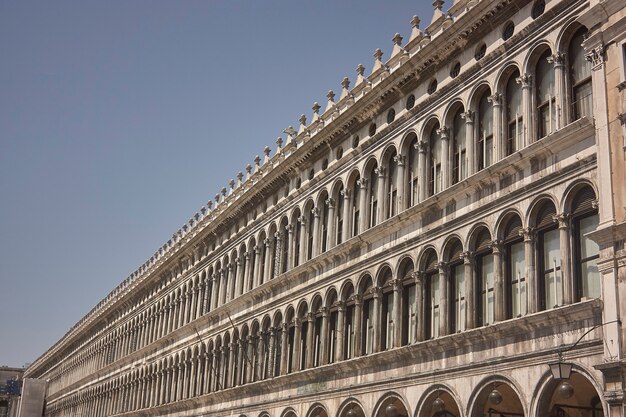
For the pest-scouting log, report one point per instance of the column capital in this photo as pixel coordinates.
(496, 246)
(596, 56)
(375, 291)
(345, 193)
(444, 132)
(325, 311)
(528, 233)
(443, 267)
(495, 99)
(315, 212)
(330, 202)
(421, 146)
(468, 257)
(362, 182)
(400, 160)
(557, 59)
(380, 171)
(357, 298)
(468, 116)
(562, 219)
(525, 80)
(341, 305)
(302, 220)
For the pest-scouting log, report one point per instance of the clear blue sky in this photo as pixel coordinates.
(120, 119)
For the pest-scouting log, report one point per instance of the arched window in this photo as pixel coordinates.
(348, 338)
(514, 268)
(391, 190)
(324, 221)
(283, 243)
(513, 114)
(459, 164)
(413, 173)
(586, 252)
(339, 215)
(456, 289)
(333, 328)
(388, 325)
(409, 310)
(549, 257)
(485, 132)
(546, 114)
(432, 296)
(373, 196)
(580, 77)
(317, 334)
(484, 279)
(354, 202)
(434, 159)
(368, 321)
(297, 236)
(310, 213)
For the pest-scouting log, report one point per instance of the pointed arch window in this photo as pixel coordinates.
(580, 77)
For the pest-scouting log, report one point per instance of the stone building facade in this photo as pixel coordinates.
(425, 246)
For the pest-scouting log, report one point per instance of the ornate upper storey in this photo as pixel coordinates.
(456, 119)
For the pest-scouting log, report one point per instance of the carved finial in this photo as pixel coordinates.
(415, 22)
(291, 134)
(331, 100)
(217, 199)
(303, 128)
(397, 45)
(203, 210)
(248, 171)
(316, 112)
(224, 191)
(279, 144)
(266, 151)
(209, 204)
(345, 88)
(240, 178)
(360, 77)
(438, 5)
(257, 163)
(231, 183)
(378, 63)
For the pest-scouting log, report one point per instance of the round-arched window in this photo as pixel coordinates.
(410, 102)
(391, 116)
(480, 51)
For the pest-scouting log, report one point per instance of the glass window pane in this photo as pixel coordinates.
(589, 251)
(412, 314)
(434, 305)
(459, 284)
(552, 269)
(487, 285)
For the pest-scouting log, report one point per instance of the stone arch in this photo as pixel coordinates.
(572, 191)
(289, 412)
(317, 410)
(316, 303)
(351, 404)
(347, 290)
(476, 93)
(406, 141)
(537, 204)
(303, 309)
(452, 108)
(425, 259)
(504, 73)
(496, 394)
(365, 282)
(474, 233)
(429, 125)
(536, 50)
(504, 219)
(568, 29)
(586, 388)
(404, 264)
(385, 272)
(448, 407)
(391, 403)
(331, 297)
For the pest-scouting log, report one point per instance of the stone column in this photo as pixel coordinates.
(258, 251)
(532, 289)
(340, 331)
(239, 280)
(469, 141)
(284, 349)
(324, 337)
(200, 299)
(566, 276)
(496, 101)
(215, 384)
(358, 320)
(499, 298)
(272, 353)
(332, 224)
(297, 341)
(558, 61)
(250, 353)
(269, 246)
(246, 274)
(525, 80)
(444, 134)
(303, 239)
(381, 195)
(397, 312)
(444, 318)
(232, 277)
(470, 297)
(363, 220)
(422, 183)
(260, 354)
(291, 254)
(377, 300)
(316, 232)
(231, 365)
(402, 200)
(208, 372)
(347, 218)
(310, 340)
(214, 291)
(240, 356)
